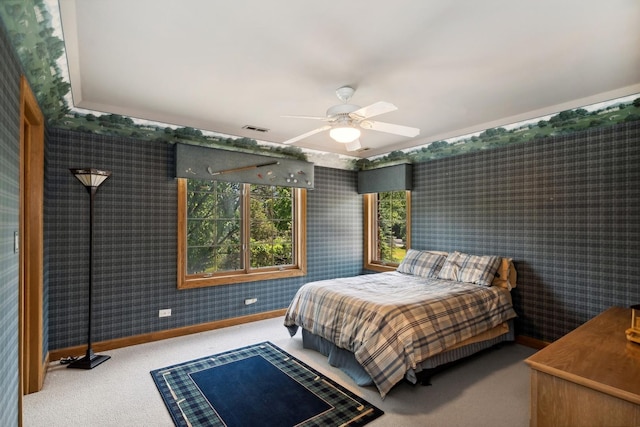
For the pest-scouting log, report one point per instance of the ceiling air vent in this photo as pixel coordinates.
(255, 128)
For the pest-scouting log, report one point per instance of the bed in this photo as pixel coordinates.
(384, 327)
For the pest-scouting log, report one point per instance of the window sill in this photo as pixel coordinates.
(201, 282)
(380, 267)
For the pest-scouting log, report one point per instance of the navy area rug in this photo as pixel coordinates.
(258, 385)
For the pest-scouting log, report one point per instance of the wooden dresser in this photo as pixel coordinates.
(589, 377)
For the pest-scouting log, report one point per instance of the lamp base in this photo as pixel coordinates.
(89, 361)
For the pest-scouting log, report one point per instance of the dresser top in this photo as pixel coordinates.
(597, 355)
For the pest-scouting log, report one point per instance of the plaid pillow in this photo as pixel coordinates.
(449, 270)
(421, 263)
(470, 268)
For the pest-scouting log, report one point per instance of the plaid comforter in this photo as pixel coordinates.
(392, 321)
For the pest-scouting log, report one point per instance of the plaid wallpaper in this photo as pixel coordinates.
(135, 243)
(9, 223)
(567, 209)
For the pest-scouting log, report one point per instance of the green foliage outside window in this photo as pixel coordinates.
(392, 226)
(215, 224)
(271, 236)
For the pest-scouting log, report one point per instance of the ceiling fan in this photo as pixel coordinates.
(345, 121)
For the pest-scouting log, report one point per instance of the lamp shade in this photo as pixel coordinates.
(91, 177)
(344, 134)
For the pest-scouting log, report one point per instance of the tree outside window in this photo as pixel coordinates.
(214, 226)
(391, 246)
(387, 229)
(271, 241)
(237, 232)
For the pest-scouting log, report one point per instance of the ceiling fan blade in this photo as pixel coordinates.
(390, 128)
(306, 135)
(376, 109)
(353, 145)
(307, 117)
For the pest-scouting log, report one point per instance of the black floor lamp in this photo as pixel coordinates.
(91, 179)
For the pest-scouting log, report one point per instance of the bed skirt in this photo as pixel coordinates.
(346, 360)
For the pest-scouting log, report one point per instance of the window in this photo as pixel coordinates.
(387, 229)
(231, 232)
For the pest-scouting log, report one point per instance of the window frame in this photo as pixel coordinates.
(299, 268)
(371, 230)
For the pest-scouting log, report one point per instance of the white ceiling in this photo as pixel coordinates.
(451, 68)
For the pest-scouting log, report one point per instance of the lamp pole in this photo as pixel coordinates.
(91, 179)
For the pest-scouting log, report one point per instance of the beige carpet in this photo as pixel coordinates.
(489, 390)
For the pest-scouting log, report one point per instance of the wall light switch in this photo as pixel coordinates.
(16, 242)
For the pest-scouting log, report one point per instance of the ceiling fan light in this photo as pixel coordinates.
(344, 134)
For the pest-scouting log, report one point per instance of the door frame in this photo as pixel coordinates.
(32, 364)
